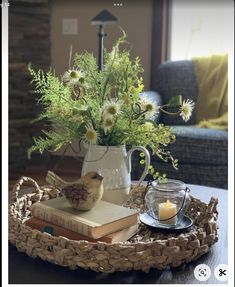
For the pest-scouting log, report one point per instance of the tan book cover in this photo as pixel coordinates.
(43, 226)
(101, 220)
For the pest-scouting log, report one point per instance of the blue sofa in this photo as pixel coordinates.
(202, 152)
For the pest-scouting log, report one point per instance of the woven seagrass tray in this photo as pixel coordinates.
(147, 249)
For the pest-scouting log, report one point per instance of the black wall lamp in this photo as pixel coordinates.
(102, 19)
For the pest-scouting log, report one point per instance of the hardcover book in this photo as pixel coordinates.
(104, 218)
(55, 230)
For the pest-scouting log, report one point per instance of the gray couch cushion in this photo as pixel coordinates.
(200, 145)
(176, 78)
(202, 155)
(201, 174)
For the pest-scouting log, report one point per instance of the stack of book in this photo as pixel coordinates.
(105, 222)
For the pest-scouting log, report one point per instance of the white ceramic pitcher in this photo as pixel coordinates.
(114, 164)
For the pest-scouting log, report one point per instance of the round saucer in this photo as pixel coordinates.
(184, 223)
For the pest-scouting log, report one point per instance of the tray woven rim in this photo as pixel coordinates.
(110, 257)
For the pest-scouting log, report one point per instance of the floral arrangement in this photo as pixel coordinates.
(103, 107)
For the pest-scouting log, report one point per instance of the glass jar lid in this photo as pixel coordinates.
(169, 185)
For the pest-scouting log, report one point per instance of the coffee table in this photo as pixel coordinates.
(26, 270)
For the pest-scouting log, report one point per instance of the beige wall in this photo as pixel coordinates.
(135, 17)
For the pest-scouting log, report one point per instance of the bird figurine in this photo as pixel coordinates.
(83, 193)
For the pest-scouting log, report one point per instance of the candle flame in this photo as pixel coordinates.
(168, 203)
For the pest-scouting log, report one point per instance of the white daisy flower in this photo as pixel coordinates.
(107, 123)
(148, 106)
(71, 77)
(91, 135)
(186, 109)
(111, 108)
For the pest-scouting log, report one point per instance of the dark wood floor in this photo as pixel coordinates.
(69, 169)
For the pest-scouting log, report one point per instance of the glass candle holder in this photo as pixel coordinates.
(167, 201)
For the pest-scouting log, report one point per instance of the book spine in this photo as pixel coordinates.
(41, 225)
(60, 219)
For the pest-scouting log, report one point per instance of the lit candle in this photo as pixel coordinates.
(166, 210)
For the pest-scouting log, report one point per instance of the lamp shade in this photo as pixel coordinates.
(103, 18)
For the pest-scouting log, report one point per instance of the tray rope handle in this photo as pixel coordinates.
(21, 181)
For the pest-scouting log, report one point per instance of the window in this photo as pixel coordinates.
(200, 28)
